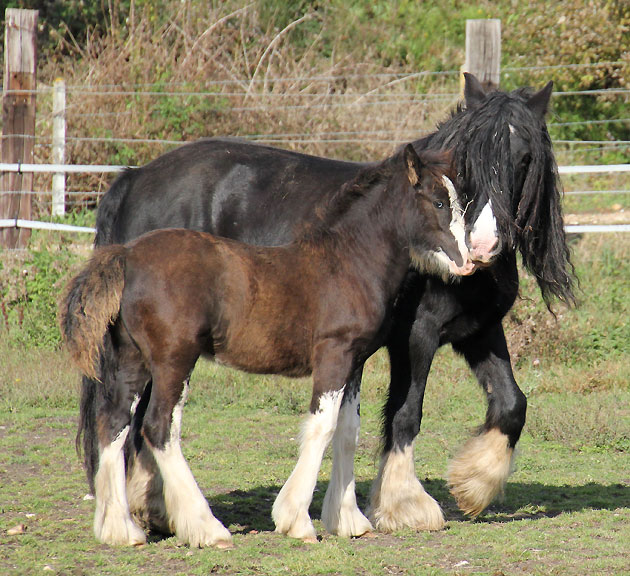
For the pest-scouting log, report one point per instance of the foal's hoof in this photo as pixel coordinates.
(119, 532)
(214, 534)
(348, 522)
(310, 540)
(301, 531)
(224, 545)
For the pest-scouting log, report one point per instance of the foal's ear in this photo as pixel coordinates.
(414, 165)
(474, 93)
(539, 102)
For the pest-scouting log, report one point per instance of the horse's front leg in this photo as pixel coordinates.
(398, 499)
(481, 469)
(340, 512)
(331, 367)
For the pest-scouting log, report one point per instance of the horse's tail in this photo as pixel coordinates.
(109, 208)
(87, 439)
(90, 304)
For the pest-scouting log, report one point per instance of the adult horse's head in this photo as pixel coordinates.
(435, 222)
(507, 180)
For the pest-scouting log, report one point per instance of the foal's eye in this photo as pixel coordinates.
(438, 204)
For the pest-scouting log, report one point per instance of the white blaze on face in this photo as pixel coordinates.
(458, 230)
(457, 226)
(484, 237)
(438, 262)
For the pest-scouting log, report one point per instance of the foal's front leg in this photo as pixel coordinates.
(290, 510)
(340, 512)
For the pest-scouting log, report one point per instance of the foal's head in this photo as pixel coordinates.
(435, 222)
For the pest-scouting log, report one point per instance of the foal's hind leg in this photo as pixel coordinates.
(398, 498)
(113, 523)
(189, 515)
(340, 513)
(144, 482)
(481, 469)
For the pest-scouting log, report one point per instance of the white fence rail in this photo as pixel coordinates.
(35, 225)
(104, 168)
(100, 168)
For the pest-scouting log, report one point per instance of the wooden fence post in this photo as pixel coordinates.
(58, 147)
(18, 119)
(483, 51)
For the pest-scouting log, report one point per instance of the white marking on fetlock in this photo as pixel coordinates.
(340, 512)
(480, 471)
(290, 510)
(190, 517)
(398, 499)
(112, 521)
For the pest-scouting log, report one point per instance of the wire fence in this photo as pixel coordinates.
(362, 115)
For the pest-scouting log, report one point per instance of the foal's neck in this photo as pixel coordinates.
(365, 229)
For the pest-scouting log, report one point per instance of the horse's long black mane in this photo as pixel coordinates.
(530, 221)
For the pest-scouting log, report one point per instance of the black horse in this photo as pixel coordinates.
(506, 177)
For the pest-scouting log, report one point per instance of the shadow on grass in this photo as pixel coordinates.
(250, 510)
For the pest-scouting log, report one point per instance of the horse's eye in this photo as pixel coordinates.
(438, 204)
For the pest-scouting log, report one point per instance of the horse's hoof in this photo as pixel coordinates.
(479, 473)
(399, 499)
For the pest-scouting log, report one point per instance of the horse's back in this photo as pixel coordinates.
(227, 187)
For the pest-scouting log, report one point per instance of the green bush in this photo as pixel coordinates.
(29, 290)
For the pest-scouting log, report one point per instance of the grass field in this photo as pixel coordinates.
(566, 509)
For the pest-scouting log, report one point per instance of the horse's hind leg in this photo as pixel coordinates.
(482, 467)
(189, 515)
(113, 523)
(340, 512)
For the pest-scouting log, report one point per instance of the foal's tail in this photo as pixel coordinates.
(90, 304)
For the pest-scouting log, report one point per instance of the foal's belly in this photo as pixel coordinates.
(261, 351)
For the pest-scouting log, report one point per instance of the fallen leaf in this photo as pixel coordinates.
(19, 529)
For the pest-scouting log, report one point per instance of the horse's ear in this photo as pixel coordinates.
(474, 93)
(413, 163)
(539, 102)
